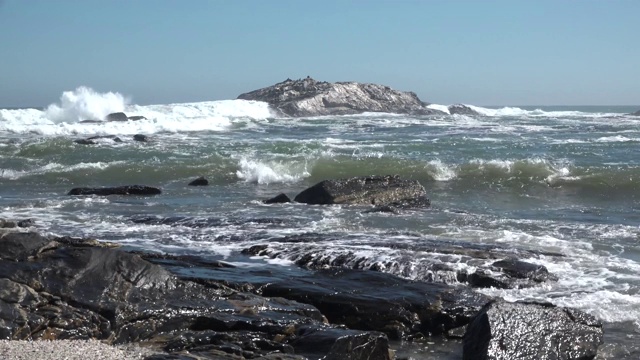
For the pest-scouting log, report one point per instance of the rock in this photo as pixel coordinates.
(26, 223)
(117, 116)
(340, 344)
(91, 121)
(459, 109)
(371, 190)
(308, 97)
(201, 181)
(524, 270)
(141, 138)
(5, 224)
(512, 331)
(637, 113)
(120, 190)
(92, 140)
(136, 117)
(64, 288)
(278, 199)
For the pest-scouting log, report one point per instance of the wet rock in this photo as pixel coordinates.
(92, 140)
(91, 121)
(524, 270)
(119, 190)
(459, 109)
(341, 344)
(308, 97)
(6, 224)
(503, 330)
(26, 223)
(374, 301)
(141, 138)
(136, 118)
(370, 190)
(117, 116)
(201, 181)
(67, 290)
(278, 199)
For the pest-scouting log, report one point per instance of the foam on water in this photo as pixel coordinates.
(268, 172)
(54, 168)
(64, 118)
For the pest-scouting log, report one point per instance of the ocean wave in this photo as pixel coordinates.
(267, 172)
(65, 117)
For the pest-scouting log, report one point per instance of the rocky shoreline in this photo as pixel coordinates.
(189, 307)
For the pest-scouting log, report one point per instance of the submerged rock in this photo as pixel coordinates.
(117, 116)
(119, 190)
(141, 138)
(511, 331)
(459, 109)
(92, 140)
(136, 117)
(308, 97)
(369, 190)
(278, 199)
(201, 181)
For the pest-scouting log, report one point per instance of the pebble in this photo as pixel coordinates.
(69, 350)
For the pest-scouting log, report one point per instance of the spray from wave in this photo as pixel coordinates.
(85, 104)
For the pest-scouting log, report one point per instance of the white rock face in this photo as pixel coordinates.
(308, 97)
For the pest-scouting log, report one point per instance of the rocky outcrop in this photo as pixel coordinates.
(459, 109)
(119, 190)
(117, 116)
(512, 331)
(201, 181)
(140, 138)
(63, 288)
(278, 199)
(637, 113)
(308, 97)
(369, 190)
(93, 140)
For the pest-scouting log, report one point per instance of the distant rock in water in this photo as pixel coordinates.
(365, 190)
(92, 140)
(308, 97)
(118, 116)
(137, 117)
(91, 121)
(459, 109)
(201, 181)
(119, 190)
(637, 113)
(141, 138)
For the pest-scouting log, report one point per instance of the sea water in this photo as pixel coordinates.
(553, 180)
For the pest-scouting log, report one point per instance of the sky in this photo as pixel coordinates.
(511, 52)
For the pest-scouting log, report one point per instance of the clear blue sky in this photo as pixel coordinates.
(507, 52)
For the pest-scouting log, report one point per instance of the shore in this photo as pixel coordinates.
(69, 350)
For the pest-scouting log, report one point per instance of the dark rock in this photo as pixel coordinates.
(117, 116)
(136, 117)
(141, 138)
(341, 344)
(65, 289)
(91, 121)
(524, 270)
(5, 224)
(371, 190)
(92, 140)
(459, 109)
(278, 199)
(503, 330)
(201, 181)
(637, 113)
(374, 301)
(308, 97)
(26, 223)
(120, 190)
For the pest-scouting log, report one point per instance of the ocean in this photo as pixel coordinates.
(557, 186)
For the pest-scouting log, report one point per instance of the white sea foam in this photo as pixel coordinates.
(268, 172)
(84, 103)
(441, 171)
(64, 118)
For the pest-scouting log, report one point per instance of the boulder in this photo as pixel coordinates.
(92, 140)
(459, 109)
(65, 288)
(117, 116)
(91, 121)
(201, 181)
(308, 97)
(513, 331)
(119, 190)
(141, 138)
(366, 190)
(278, 199)
(136, 117)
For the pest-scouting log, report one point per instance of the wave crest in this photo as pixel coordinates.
(85, 103)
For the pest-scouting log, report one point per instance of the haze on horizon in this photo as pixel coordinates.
(473, 52)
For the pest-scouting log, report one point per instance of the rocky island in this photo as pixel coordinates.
(309, 97)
